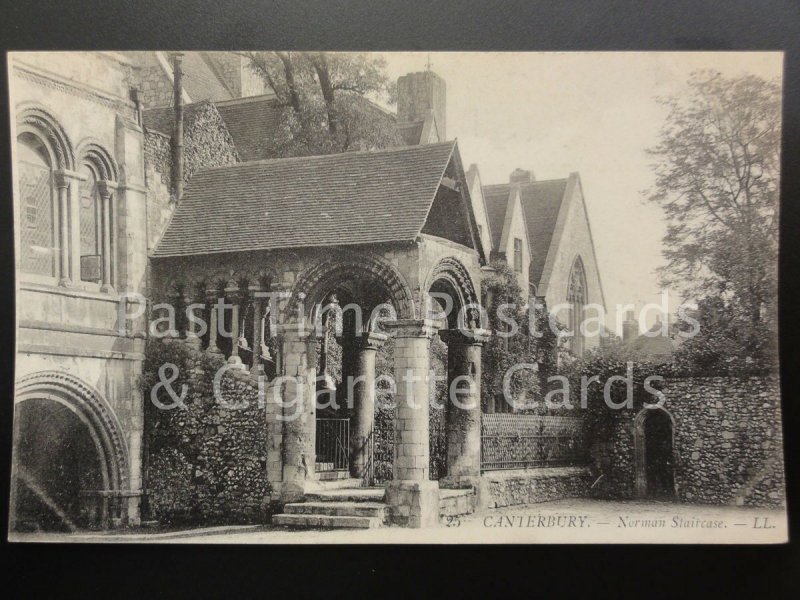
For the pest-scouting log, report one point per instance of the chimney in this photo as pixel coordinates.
(521, 176)
(177, 134)
(630, 328)
(419, 94)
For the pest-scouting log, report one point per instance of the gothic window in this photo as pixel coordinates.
(576, 298)
(518, 255)
(91, 227)
(38, 240)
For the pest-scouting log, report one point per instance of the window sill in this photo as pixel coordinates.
(80, 290)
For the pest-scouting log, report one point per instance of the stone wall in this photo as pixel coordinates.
(515, 487)
(207, 462)
(207, 143)
(727, 443)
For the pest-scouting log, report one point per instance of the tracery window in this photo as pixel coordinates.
(576, 297)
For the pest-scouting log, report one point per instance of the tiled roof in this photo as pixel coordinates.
(541, 203)
(252, 122)
(162, 119)
(496, 199)
(339, 199)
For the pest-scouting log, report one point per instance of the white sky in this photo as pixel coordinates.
(594, 113)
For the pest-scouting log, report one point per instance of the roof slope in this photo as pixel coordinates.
(495, 197)
(338, 199)
(541, 202)
(252, 122)
(200, 80)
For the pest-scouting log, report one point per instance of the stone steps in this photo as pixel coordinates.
(333, 475)
(326, 521)
(337, 484)
(357, 494)
(359, 508)
(338, 509)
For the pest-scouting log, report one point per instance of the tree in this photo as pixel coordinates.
(327, 101)
(717, 175)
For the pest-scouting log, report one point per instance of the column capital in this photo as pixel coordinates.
(413, 328)
(371, 340)
(465, 337)
(62, 177)
(106, 188)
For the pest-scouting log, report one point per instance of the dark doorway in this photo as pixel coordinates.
(55, 459)
(659, 468)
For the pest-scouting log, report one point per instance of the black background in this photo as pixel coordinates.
(169, 571)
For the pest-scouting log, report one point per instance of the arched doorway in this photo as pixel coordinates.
(344, 298)
(655, 456)
(56, 462)
(70, 460)
(454, 422)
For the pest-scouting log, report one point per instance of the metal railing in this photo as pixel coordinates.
(333, 445)
(511, 441)
(379, 467)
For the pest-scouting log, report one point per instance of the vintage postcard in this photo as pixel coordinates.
(322, 297)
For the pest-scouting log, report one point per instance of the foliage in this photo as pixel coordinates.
(327, 101)
(728, 343)
(717, 174)
(501, 353)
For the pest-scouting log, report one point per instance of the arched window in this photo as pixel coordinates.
(576, 297)
(91, 227)
(38, 207)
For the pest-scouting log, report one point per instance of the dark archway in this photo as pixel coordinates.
(56, 460)
(655, 454)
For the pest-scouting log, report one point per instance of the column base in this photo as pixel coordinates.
(234, 360)
(413, 503)
(479, 486)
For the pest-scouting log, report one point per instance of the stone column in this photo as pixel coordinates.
(235, 298)
(62, 188)
(412, 497)
(105, 213)
(361, 393)
(192, 338)
(463, 411)
(213, 326)
(297, 413)
(256, 368)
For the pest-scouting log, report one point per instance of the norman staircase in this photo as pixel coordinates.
(339, 503)
(344, 504)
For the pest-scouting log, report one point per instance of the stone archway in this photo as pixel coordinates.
(460, 330)
(654, 448)
(70, 457)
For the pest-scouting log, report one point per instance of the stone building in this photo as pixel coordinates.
(81, 223)
(99, 220)
(554, 251)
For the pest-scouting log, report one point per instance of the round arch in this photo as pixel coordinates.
(317, 281)
(92, 152)
(91, 408)
(34, 119)
(450, 275)
(640, 444)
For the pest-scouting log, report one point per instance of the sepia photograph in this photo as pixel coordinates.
(323, 297)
